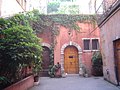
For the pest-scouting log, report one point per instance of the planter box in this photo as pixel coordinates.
(23, 84)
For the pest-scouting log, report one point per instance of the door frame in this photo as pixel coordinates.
(44, 72)
(79, 55)
(116, 61)
(71, 68)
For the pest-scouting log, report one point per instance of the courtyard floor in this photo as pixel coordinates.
(74, 82)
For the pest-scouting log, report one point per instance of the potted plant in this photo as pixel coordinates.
(36, 69)
(85, 71)
(55, 71)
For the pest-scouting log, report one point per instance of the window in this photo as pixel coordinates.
(95, 44)
(91, 44)
(86, 44)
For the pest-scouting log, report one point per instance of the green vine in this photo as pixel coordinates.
(68, 21)
(39, 22)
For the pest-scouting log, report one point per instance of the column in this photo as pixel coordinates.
(80, 64)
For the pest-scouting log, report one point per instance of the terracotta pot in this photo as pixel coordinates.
(36, 78)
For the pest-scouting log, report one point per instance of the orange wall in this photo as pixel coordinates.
(76, 37)
(63, 38)
(46, 36)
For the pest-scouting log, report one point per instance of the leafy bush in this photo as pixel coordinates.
(3, 82)
(97, 64)
(53, 70)
(97, 58)
(52, 7)
(19, 46)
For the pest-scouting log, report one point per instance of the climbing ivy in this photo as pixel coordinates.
(68, 21)
(39, 22)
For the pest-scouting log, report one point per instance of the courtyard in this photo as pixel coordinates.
(74, 82)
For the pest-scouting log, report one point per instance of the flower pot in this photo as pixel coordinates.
(36, 78)
(86, 75)
(64, 75)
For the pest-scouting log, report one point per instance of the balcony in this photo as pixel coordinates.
(106, 9)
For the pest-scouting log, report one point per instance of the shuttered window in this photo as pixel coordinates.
(86, 44)
(95, 44)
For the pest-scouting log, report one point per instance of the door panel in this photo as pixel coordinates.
(45, 61)
(117, 55)
(71, 64)
(46, 58)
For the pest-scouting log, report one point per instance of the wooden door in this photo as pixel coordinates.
(117, 57)
(45, 61)
(71, 64)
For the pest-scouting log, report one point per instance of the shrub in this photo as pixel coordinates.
(97, 64)
(19, 46)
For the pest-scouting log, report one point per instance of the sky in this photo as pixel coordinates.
(84, 6)
(87, 8)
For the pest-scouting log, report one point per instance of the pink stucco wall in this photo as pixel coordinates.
(46, 36)
(85, 32)
(109, 32)
(24, 84)
(77, 37)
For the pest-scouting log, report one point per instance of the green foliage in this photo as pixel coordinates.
(69, 21)
(39, 22)
(97, 64)
(52, 7)
(97, 58)
(19, 46)
(53, 70)
(63, 7)
(68, 9)
(3, 82)
(23, 19)
(74, 9)
(18, 19)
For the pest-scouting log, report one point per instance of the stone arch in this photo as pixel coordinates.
(73, 44)
(47, 45)
(79, 54)
(46, 59)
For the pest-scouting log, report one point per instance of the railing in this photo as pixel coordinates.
(104, 9)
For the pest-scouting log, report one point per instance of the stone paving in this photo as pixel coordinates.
(74, 82)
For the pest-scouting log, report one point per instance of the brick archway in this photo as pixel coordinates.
(79, 54)
(45, 59)
(47, 45)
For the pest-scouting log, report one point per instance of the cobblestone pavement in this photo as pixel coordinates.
(74, 82)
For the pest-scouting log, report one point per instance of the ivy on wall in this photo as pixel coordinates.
(39, 22)
(68, 21)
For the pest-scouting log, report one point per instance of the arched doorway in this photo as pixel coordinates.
(45, 61)
(71, 61)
